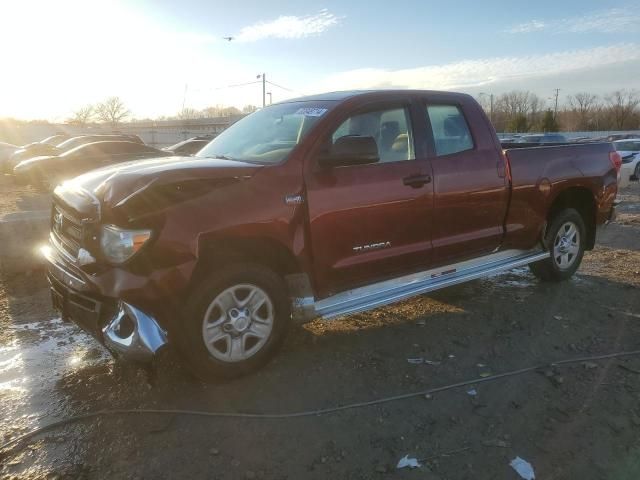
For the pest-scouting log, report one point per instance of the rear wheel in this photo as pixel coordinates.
(565, 241)
(235, 321)
(636, 172)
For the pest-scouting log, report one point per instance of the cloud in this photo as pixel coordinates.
(614, 20)
(532, 26)
(289, 27)
(469, 74)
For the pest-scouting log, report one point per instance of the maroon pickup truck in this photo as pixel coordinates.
(316, 207)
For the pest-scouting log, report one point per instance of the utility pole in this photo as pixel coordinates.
(555, 109)
(491, 110)
(490, 104)
(184, 96)
(264, 89)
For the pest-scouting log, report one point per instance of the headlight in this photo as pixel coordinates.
(118, 245)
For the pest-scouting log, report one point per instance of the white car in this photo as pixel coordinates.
(6, 150)
(629, 150)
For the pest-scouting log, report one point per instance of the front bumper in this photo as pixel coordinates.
(124, 329)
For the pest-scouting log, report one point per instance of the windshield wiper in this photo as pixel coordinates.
(220, 157)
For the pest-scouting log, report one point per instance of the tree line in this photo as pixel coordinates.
(211, 112)
(516, 111)
(113, 111)
(522, 111)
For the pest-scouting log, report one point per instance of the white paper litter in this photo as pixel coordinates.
(421, 360)
(524, 468)
(473, 392)
(408, 462)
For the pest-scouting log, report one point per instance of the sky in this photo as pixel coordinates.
(158, 55)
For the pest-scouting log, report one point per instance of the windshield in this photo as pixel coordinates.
(268, 135)
(628, 146)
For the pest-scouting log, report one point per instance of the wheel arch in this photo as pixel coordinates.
(219, 253)
(581, 199)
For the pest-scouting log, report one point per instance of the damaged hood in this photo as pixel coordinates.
(111, 186)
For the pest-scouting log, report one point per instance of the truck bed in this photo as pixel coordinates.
(539, 173)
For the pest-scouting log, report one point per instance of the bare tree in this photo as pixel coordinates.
(584, 105)
(112, 111)
(622, 106)
(189, 114)
(220, 111)
(517, 110)
(82, 116)
(515, 102)
(536, 107)
(249, 109)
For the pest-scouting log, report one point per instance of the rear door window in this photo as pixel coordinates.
(451, 132)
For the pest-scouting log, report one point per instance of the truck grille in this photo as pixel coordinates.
(67, 230)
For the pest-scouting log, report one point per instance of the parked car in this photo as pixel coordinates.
(188, 147)
(315, 207)
(629, 150)
(48, 171)
(48, 149)
(43, 147)
(56, 139)
(6, 150)
(620, 136)
(542, 138)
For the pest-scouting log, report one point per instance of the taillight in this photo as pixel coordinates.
(616, 160)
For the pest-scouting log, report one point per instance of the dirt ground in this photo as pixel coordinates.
(576, 422)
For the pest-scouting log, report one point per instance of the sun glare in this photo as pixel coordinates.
(71, 53)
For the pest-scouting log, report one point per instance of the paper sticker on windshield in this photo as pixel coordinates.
(311, 112)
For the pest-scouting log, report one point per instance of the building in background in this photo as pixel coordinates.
(159, 133)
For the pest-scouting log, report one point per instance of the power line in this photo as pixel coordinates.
(284, 88)
(236, 85)
(209, 89)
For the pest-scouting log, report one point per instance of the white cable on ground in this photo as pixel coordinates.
(310, 413)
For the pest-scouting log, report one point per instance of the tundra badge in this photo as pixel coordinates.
(294, 199)
(371, 246)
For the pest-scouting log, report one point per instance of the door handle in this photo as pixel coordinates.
(416, 181)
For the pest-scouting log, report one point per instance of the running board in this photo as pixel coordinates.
(397, 289)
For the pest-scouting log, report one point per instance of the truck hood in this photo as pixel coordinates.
(112, 186)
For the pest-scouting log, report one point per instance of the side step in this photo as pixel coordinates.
(397, 289)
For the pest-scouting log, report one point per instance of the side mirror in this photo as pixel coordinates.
(351, 150)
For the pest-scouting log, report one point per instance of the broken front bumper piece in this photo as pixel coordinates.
(133, 334)
(124, 329)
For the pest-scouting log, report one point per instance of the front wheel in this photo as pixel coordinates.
(565, 241)
(235, 321)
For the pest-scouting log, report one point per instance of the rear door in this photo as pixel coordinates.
(471, 191)
(369, 222)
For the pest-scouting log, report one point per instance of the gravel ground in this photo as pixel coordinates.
(575, 422)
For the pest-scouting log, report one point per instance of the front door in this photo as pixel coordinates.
(370, 222)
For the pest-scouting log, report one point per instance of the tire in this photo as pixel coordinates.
(565, 240)
(636, 172)
(220, 335)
